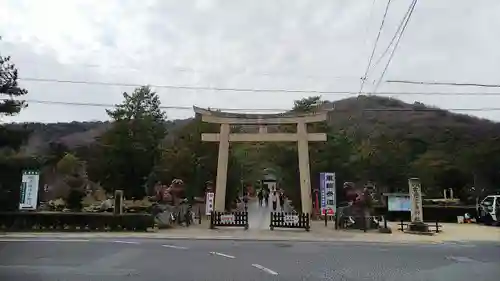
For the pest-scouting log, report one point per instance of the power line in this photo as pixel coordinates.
(186, 69)
(411, 9)
(255, 90)
(444, 83)
(181, 87)
(363, 79)
(398, 30)
(105, 105)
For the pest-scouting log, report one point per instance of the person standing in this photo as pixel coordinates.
(260, 196)
(266, 197)
(282, 201)
(274, 199)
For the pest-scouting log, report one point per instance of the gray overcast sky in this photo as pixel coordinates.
(287, 44)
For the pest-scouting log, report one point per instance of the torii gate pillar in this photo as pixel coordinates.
(304, 169)
(302, 137)
(222, 161)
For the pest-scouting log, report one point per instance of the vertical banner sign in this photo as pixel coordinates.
(209, 203)
(415, 200)
(28, 199)
(328, 195)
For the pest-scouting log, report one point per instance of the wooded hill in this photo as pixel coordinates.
(383, 140)
(362, 116)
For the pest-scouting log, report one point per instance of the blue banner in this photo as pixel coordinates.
(327, 193)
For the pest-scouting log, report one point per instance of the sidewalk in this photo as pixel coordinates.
(451, 233)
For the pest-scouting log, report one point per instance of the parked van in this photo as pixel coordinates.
(489, 210)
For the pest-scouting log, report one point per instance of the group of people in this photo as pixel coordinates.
(274, 196)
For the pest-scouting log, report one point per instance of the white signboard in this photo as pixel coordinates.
(209, 203)
(328, 195)
(399, 204)
(227, 219)
(28, 199)
(415, 200)
(291, 219)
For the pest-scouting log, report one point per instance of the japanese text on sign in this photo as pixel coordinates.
(227, 219)
(416, 200)
(209, 203)
(291, 219)
(328, 194)
(29, 190)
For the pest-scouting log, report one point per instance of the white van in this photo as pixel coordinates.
(489, 210)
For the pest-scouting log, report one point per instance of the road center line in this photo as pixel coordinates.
(174, 247)
(265, 269)
(126, 242)
(222, 255)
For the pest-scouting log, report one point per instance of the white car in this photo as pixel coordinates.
(489, 209)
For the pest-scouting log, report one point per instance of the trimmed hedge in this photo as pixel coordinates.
(431, 213)
(59, 221)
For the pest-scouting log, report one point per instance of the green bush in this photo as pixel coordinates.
(32, 221)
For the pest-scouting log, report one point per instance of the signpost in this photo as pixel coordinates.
(209, 203)
(416, 200)
(118, 202)
(417, 218)
(29, 190)
(328, 195)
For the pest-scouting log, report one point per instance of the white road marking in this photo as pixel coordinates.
(126, 242)
(457, 244)
(460, 259)
(265, 269)
(222, 255)
(43, 240)
(174, 247)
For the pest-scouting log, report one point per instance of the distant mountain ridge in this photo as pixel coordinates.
(363, 116)
(71, 134)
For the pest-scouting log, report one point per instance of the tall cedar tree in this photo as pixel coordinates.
(132, 146)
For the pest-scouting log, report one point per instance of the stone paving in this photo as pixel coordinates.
(259, 216)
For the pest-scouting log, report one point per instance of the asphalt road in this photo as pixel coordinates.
(155, 259)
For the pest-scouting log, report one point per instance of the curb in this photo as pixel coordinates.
(221, 238)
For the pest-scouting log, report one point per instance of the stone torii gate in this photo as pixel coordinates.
(302, 137)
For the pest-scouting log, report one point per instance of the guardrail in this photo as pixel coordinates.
(229, 219)
(74, 221)
(290, 220)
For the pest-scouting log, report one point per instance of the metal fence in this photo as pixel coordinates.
(231, 219)
(432, 226)
(290, 220)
